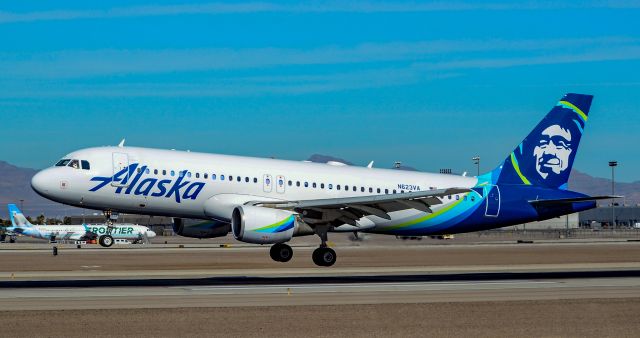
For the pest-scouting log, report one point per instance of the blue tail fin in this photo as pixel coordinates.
(545, 157)
(17, 218)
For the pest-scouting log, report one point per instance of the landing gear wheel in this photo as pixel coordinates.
(281, 252)
(105, 241)
(324, 256)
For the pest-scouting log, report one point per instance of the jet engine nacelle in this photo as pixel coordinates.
(261, 225)
(200, 229)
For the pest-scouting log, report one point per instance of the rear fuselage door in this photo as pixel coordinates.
(280, 184)
(120, 162)
(492, 193)
(267, 185)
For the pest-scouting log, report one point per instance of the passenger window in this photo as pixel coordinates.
(394, 191)
(188, 173)
(449, 196)
(313, 185)
(386, 191)
(213, 177)
(221, 177)
(306, 184)
(206, 176)
(74, 164)
(230, 178)
(290, 183)
(355, 188)
(197, 175)
(321, 185)
(182, 173)
(402, 191)
(246, 179)
(346, 188)
(457, 198)
(155, 171)
(473, 198)
(338, 187)
(85, 165)
(330, 186)
(297, 183)
(255, 180)
(139, 170)
(164, 172)
(370, 189)
(238, 178)
(147, 171)
(173, 173)
(361, 189)
(378, 190)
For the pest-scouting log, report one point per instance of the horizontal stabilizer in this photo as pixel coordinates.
(572, 200)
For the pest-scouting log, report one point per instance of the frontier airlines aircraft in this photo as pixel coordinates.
(269, 201)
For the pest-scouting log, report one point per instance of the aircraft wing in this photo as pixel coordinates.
(571, 200)
(349, 209)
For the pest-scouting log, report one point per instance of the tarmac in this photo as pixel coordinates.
(556, 288)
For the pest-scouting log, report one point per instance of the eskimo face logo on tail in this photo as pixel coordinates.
(150, 186)
(552, 151)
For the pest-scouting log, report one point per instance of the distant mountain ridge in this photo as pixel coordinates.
(15, 185)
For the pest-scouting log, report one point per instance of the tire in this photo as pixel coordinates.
(105, 241)
(281, 252)
(324, 256)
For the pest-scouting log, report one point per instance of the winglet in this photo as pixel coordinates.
(121, 144)
(370, 165)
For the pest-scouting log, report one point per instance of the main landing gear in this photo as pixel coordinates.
(281, 252)
(322, 256)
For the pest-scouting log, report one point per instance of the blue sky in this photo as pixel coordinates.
(428, 83)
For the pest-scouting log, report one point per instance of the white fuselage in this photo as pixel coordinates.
(212, 185)
(77, 232)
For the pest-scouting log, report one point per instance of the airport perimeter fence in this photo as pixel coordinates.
(560, 234)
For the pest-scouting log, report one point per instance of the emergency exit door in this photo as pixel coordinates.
(267, 184)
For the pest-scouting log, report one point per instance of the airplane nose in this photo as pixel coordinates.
(42, 183)
(151, 234)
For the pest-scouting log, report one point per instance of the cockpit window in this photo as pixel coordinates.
(85, 165)
(74, 164)
(63, 162)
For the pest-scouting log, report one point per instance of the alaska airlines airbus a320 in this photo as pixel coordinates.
(269, 201)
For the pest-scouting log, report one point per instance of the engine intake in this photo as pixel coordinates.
(261, 225)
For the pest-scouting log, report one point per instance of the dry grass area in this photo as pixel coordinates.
(558, 318)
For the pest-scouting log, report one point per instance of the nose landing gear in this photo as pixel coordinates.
(105, 240)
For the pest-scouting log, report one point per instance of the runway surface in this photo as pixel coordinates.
(323, 291)
(570, 289)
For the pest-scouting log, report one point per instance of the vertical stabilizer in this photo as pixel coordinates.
(545, 157)
(17, 218)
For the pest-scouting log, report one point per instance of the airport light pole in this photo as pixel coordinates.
(613, 165)
(21, 205)
(476, 161)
